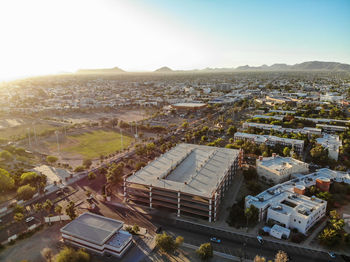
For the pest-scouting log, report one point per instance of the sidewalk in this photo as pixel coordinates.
(219, 254)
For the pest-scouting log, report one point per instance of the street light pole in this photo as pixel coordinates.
(58, 144)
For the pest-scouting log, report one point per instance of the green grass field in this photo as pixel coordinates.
(93, 144)
(21, 132)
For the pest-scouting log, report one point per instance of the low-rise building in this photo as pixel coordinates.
(332, 143)
(188, 179)
(98, 234)
(279, 169)
(331, 128)
(295, 144)
(286, 205)
(277, 128)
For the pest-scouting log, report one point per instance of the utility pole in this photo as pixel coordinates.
(58, 144)
(30, 144)
(36, 141)
(121, 138)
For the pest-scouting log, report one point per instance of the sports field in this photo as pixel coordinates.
(95, 143)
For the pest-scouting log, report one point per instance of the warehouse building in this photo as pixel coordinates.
(98, 234)
(188, 179)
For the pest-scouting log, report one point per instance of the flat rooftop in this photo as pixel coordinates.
(52, 173)
(188, 168)
(92, 228)
(119, 239)
(266, 138)
(189, 105)
(279, 163)
(274, 195)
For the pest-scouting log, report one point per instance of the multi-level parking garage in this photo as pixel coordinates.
(188, 179)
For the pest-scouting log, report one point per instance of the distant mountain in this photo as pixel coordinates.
(164, 69)
(306, 66)
(317, 65)
(114, 70)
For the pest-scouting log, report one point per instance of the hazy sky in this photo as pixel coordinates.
(50, 36)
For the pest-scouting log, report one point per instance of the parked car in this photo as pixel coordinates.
(215, 240)
(28, 219)
(260, 239)
(332, 254)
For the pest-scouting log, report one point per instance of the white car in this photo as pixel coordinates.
(28, 219)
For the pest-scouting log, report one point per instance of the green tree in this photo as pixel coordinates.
(286, 151)
(135, 229)
(6, 155)
(258, 258)
(70, 210)
(281, 256)
(51, 159)
(231, 130)
(87, 163)
(91, 176)
(6, 181)
(185, 124)
(179, 241)
(58, 209)
(70, 255)
(18, 217)
(25, 192)
(79, 169)
(31, 178)
(150, 147)
(165, 242)
(47, 205)
(205, 251)
(252, 214)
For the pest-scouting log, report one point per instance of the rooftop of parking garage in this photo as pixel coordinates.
(193, 169)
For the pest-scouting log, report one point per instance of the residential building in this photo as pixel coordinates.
(277, 128)
(332, 143)
(331, 128)
(295, 144)
(98, 234)
(188, 179)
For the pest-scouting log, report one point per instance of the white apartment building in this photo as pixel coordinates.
(332, 97)
(279, 169)
(286, 205)
(331, 128)
(332, 143)
(297, 145)
(277, 128)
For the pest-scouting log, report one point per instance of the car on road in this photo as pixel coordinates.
(215, 240)
(332, 254)
(260, 239)
(28, 219)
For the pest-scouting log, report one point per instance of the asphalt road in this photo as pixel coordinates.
(236, 244)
